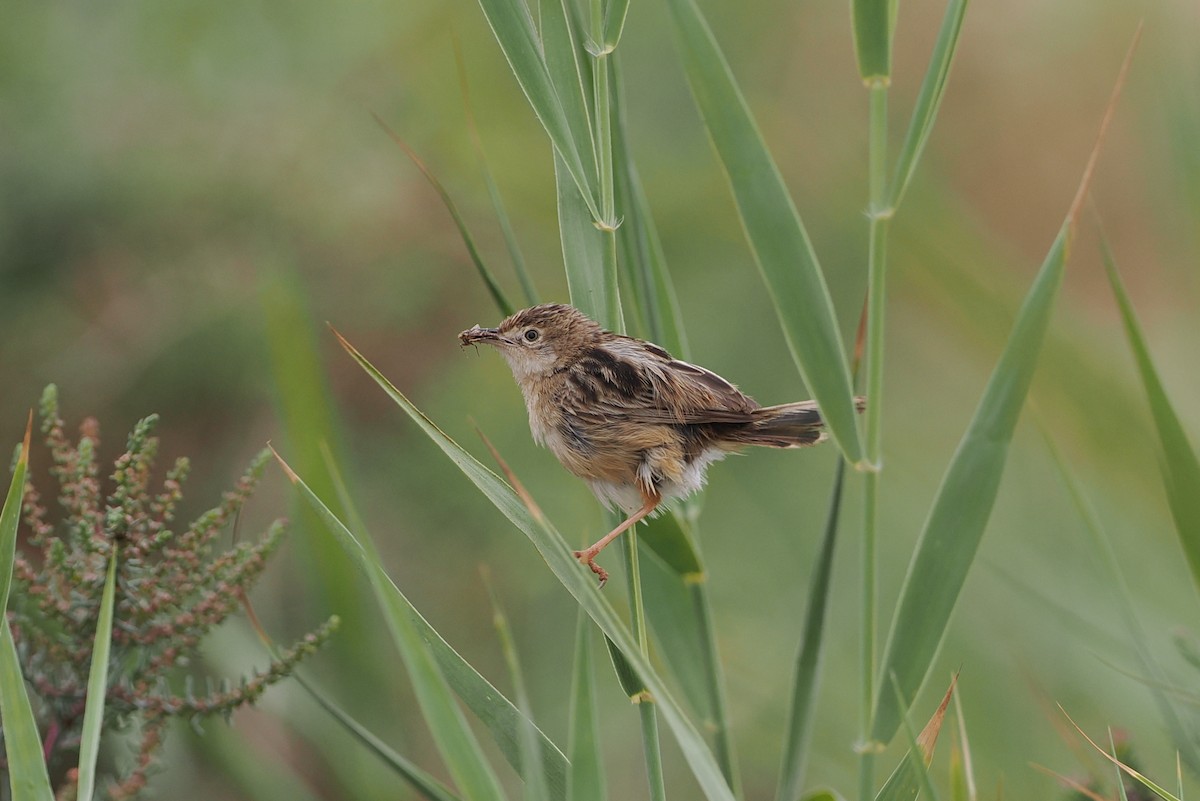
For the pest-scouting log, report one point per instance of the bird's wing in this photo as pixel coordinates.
(629, 379)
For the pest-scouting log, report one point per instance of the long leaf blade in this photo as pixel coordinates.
(513, 28)
(952, 532)
(1180, 466)
(780, 244)
(421, 781)
(960, 512)
(455, 740)
(586, 782)
(498, 714)
(27, 776)
(10, 516)
(929, 99)
(493, 286)
(808, 659)
(575, 578)
(93, 713)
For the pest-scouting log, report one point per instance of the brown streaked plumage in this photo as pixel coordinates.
(639, 426)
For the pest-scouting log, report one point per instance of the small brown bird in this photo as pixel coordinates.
(639, 426)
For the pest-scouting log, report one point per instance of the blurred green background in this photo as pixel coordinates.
(189, 191)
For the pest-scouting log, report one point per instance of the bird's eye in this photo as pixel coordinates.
(531, 335)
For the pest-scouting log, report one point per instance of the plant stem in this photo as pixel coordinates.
(715, 684)
(878, 214)
(603, 119)
(645, 703)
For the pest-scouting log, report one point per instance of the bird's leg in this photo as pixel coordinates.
(588, 555)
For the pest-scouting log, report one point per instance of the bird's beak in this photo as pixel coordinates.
(475, 335)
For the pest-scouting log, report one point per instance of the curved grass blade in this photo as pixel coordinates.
(10, 515)
(513, 28)
(929, 99)
(27, 776)
(962, 770)
(569, 69)
(1145, 782)
(956, 522)
(97, 689)
(950, 538)
(506, 228)
(808, 659)
(532, 770)
(777, 238)
(1180, 467)
(497, 713)
(576, 578)
(455, 740)
(421, 781)
(489, 280)
(677, 608)
(586, 779)
(873, 21)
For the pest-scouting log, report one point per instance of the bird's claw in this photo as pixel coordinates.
(589, 558)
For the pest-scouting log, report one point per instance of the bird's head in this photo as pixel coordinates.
(539, 340)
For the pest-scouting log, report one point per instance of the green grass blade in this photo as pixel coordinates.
(97, 689)
(808, 659)
(821, 795)
(454, 738)
(641, 250)
(27, 776)
(590, 280)
(511, 24)
(576, 578)
(873, 24)
(678, 610)
(1120, 779)
(777, 237)
(569, 69)
(1145, 782)
(532, 770)
(965, 786)
(498, 714)
(1180, 467)
(928, 100)
(420, 780)
(950, 538)
(489, 280)
(505, 722)
(586, 780)
(10, 516)
(615, 12)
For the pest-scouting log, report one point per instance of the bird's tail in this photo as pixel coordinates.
(788, 425)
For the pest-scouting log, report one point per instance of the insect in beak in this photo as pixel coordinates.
(474, 335)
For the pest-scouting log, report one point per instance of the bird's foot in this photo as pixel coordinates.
(588, 557)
